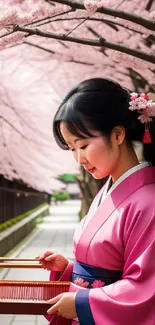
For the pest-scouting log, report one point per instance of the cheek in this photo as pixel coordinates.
(111, 160)
(102, 152)
(105, 156)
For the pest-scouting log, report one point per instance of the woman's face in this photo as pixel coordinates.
(95, 154)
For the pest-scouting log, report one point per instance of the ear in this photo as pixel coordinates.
(119, 133)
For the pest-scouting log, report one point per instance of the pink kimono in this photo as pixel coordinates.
(116, 240)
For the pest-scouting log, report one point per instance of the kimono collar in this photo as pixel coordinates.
(96, 219)
(107, 189)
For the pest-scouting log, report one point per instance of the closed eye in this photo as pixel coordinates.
(83, 147)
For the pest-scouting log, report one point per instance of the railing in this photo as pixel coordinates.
(16, 198)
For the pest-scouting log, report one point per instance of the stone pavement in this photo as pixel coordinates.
(56, 233)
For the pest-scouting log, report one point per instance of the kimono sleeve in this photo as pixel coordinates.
(61, 276)
(130, 300)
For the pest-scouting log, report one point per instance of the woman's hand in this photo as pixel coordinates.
(64, 305)
(53, 261)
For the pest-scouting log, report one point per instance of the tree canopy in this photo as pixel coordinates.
(46, 48)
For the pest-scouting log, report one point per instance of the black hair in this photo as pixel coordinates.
(99, 105)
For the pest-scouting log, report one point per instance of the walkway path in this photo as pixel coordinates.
(56, 232)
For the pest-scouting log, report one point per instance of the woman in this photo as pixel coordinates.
(113, 275)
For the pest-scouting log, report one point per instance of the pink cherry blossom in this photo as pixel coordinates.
(134, 96)
(144, 96)
(90, 6)
(37, 72)
(152, 15)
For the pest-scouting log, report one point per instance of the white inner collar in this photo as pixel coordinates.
(122, 178)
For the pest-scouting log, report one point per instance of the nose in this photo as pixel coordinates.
(79, 157)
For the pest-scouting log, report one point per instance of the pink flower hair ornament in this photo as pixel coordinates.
(146, 110)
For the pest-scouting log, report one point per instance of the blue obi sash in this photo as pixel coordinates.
(93, 277)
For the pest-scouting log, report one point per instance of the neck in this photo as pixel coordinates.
(127, 161)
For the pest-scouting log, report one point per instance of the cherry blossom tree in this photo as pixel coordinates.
(28, 151)
(48, 46)
(85, 22)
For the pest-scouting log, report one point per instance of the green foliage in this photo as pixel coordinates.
(68, 178)
(11, 222)
(61, 196)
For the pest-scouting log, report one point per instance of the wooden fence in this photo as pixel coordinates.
(16, 198)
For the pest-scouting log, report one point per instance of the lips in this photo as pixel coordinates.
(91, 170)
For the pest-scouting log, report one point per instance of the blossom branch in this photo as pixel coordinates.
(13, 127)
(149, 5)
(40, 47)
(120, 4)
(52, 52)
(76, 4)
(50, 2)
(111, 23)
(82, 22)
(140, 82)
(86, 41)
(6, 34)
(46, 20)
